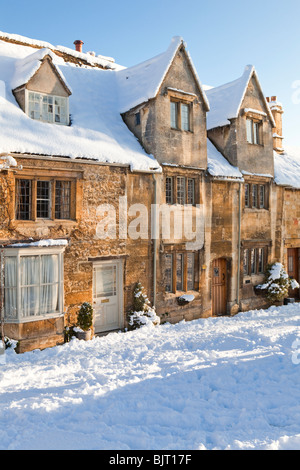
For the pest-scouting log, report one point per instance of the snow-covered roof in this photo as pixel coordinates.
(287, 167)
(142, 82)
(218, 166)
(89, 57)
(97, 131)
(29, 65)
(226, 100)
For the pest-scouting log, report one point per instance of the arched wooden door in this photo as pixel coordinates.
(219, 287)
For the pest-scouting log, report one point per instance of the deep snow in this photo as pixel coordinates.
(218, 383)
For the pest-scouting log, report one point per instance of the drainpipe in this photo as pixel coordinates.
(239, 249)
(154, 228)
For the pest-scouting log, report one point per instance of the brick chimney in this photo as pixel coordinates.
(78, 45)
(277, 111)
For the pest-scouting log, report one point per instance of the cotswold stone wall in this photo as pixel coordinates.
(94, 185)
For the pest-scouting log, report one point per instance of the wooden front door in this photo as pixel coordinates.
(219, 287)
(107, 296)
(293, 269)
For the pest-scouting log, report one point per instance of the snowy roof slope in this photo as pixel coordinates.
(27, 67)
(287, 167)
(226, 100)
(141, 82)
(92, 59)
(97, 132)
(218, 166)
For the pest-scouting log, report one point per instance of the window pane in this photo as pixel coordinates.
(29, 285)
(10, 284)
(185, 117)
(246, 262)
(169, 190)
(106, 281)
(261, 196)
(174, 115)
(256, 133)
(168, 273)
(190, 271)
(253, 261)
(49, 295)
(179, 272)
(191, 191)
(43, 199)
(62, 199)
(247, 201)
(180, 190)
(254, 195)
(261, 267)
(249, 131)
(23, 199)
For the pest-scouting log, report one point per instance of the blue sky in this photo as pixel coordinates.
(222, 37)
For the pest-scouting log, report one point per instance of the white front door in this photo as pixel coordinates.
(107, 296)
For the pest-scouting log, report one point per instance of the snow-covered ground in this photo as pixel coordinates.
(218, 383)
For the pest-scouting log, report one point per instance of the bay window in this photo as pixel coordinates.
(33, 283)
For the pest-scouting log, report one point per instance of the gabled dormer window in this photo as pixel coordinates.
(47, 108)
(42, 93)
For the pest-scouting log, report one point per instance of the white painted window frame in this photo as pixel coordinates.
(36, 251)
(53, 115)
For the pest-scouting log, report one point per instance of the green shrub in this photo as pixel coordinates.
(85, 316)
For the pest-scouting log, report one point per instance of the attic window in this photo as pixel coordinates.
(253, 131)
(180, 115)
(47, 108)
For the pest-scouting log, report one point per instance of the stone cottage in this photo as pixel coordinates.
(111, 176)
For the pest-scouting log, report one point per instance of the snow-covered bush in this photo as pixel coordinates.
(277, 283)
(142, 313)
(85, 316)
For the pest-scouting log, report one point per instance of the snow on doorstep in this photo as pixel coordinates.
(218, 166)
(217, 383)
(97, 131)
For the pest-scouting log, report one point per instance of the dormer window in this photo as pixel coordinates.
(42, 93)
(47, 108)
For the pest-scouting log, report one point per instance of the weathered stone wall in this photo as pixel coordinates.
(96, 185)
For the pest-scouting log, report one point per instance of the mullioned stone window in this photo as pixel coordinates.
(180, 190)
(43, 199)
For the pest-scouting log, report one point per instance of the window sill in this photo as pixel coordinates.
(181, 130)
(49, 222)
(255, 145)
(255, 209)
(179, 293)
(34, 318)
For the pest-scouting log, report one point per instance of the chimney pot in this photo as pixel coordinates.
(268, 99)
(274, 98)
(78, 45)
